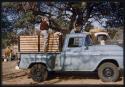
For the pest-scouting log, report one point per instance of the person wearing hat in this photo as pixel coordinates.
(44, 26)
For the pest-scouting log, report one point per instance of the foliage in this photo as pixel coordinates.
(62, 15)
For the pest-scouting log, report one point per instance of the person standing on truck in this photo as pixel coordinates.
(44, 26)
(76, 29)
(76, 26)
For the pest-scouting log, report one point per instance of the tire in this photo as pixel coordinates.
(108, 72)
(38, 72)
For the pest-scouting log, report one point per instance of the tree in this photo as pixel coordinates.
(62, 15)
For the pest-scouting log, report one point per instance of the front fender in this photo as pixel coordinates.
(103, 60)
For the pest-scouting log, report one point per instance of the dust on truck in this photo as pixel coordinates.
(77, 54)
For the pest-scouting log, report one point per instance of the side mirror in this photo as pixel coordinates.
(86, 48)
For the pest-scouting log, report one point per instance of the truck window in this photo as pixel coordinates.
(102, 37)
(88, 41)
(75, 42)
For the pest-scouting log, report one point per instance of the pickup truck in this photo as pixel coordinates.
(78, 54)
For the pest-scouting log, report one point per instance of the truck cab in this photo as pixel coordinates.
(78, 54)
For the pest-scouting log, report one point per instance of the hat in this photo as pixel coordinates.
(44, 18)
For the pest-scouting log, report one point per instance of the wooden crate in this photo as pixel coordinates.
(35, 44)
(28, 43)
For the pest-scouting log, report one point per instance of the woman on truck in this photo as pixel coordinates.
(44, 26)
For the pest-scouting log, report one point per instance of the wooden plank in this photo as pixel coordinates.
(35, 36)
(51, 49)
(28, 47)
(53, 46)
(51, 36)
(28, 43)
(29, 51)
(50, 39)
(27, 39)
(30, 40)
(50, 42)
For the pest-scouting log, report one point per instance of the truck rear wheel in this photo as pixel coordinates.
(38, 72)
(108, 72)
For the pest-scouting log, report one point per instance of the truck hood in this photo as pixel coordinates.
(108, 47)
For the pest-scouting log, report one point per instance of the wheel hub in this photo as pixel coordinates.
(108, 72)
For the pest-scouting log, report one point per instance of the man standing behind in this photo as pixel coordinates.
(44, 26)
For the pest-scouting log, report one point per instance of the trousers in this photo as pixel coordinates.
(44, 33)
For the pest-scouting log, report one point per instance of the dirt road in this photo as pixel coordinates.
(12, 76)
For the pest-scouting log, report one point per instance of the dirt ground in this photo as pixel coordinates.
(12, 76)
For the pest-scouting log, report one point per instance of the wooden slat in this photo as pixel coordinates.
(51, 42)
(28, 47)
(28, 51)
(29, 43)
(51, 48)
(35, 36)
(50, 51)
(27, 39)
(50, 39)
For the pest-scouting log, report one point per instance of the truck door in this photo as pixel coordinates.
(88, 55)
(72, 51)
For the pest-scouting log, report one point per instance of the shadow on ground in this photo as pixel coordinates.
(61, 76)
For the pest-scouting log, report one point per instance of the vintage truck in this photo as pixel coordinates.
(78, 54)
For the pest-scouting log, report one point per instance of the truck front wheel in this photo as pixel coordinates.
(38, 72)
(108, 72)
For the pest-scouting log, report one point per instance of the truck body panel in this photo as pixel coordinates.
(80, 57)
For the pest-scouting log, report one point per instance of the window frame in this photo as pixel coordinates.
(80, 45)
(90, 39)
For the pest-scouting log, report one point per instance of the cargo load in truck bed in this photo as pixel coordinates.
(35, 43)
